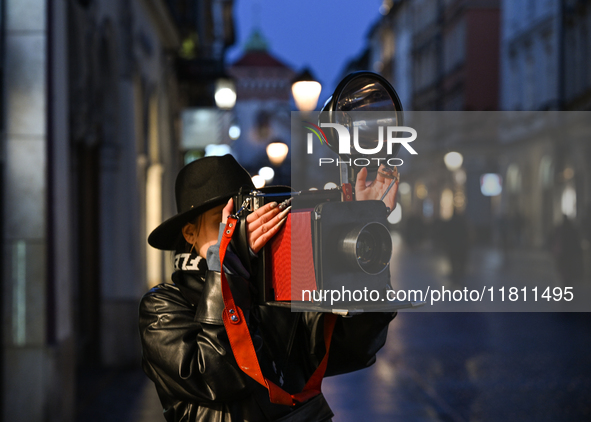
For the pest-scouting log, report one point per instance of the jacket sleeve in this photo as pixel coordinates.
(186, 350)
(355, 340)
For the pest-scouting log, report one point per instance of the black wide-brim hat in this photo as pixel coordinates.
(200, 186)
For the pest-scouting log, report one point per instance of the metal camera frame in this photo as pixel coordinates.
(330, 108)
(325, 201)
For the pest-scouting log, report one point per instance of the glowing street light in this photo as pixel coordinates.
(453, 160)
(234, 132)
(225, 93)
(267, 173)
(258, 181)
(306, 90)
(217, 149)
(330, 185)
(404, 188)
(491, 184)
(421, 190)
(396, 215)
(277, 151)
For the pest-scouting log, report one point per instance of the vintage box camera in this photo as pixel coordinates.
(333, 251)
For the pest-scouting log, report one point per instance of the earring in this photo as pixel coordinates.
(192, 248)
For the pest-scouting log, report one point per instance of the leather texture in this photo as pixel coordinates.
(315, 409)
(185, 351)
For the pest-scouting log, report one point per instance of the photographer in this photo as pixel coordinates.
(186, 351)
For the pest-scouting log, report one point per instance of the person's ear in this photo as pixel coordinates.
(190, 233)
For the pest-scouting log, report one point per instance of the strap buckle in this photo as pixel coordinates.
(246, 204)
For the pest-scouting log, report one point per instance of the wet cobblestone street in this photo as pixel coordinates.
(448, 367)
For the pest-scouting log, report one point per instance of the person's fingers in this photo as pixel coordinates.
(258, 242)
(386, 174)
(262, 215)
(380, 177)
(360, 182)
(261, 211)
(227, 211)
(268, 225)
(265, 231)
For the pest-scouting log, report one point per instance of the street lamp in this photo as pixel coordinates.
(234, 132)
(258, 181)
(267, 173)
(225, 93)
(277, 151)
(453, 160)
(491, 184)
(330, 185)
(306, 90)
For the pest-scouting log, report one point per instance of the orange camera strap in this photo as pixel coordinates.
(242, 346)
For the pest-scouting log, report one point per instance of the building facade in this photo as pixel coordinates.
(442, 56)
(263, 109)
(89, 153)
(545, 67)
(519, 56)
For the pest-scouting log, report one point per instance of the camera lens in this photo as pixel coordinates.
(368, 247)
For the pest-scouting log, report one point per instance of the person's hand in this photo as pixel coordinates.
(376, 189)
(228, 210)
(262, 224)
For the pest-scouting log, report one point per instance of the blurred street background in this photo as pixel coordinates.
(103, 101)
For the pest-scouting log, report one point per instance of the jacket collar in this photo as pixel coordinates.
(190, 283)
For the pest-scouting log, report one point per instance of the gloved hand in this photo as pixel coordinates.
(211, 304)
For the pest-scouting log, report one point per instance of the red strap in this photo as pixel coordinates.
(242, 346)
(347, 195)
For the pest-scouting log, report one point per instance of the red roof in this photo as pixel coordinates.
(258, 59)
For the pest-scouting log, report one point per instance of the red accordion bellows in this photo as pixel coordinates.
(292, 264)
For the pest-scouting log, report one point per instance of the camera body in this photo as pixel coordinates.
(330, 243)
(325, 245)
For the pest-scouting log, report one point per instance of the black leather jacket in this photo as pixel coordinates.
(187, 354)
